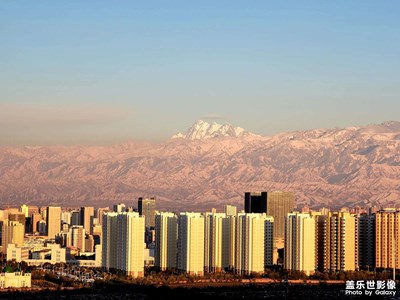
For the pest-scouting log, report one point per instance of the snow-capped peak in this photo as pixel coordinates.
(204, 130)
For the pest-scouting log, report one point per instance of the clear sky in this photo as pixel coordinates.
(74, 72)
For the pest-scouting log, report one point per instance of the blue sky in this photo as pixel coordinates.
(107, 71)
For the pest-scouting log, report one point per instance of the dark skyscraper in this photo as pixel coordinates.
(87, 215)
(147, 208)
(75, 218)
(255, 202)
(366, 241)
(277, 204)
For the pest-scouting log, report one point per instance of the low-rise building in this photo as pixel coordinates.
(18, 254)
(15, 280)
(93, 259)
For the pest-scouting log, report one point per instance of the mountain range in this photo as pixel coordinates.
(203, 130)
(211, 165)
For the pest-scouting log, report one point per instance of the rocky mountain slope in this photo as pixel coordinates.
(212, 165)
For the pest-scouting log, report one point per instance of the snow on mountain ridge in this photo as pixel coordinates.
(324, 167)
(204, 130)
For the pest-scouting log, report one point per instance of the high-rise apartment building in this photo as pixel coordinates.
(321, 246)
(87, 215)
(13, 233)
(100, 212)
(42, 227)
(119, 208)
(147, 208)
(109, 240)
(130, 241)
(366, 241)
(123, 243)
(213, 239)
(336, 241)
(66, 217)
(166, 230)
(387, 238)
(342, 241)
(75, 217)
(53, 221)
(89, 243)
(76, 237)
(300, 243)
(229, 242)
(36, 218)
(269, 243)
(250, 242)
(191, 243)
(356, 241)
(276, 204)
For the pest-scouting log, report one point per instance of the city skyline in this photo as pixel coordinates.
(79, 73)
(320, 247)
(212, 149)
(335, 231)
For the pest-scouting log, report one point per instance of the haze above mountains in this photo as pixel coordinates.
(211, 165)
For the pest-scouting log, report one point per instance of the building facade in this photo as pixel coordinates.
(123, 243)
(366, 241)
(18, 254)
(300, 243)
(147, 208)
(250, 243)
(36, 218)
(276, 204)
(337, 241)
(76, 237)
(269, 241)
(119, 208)
(13, 233)
(166, 230)
(387, 238)
(229, 242)
(213, 239)
(15, 280)
(53, 221)
(87, 215)
(190, 248)
(109, 240)
(130, 243)
(66, 217)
